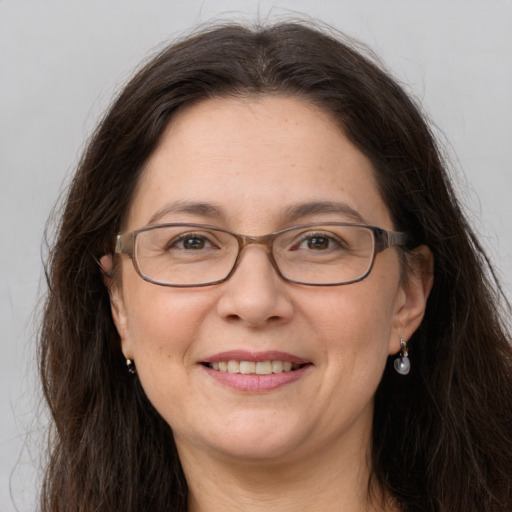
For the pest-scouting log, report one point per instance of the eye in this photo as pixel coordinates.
(318, 242)
(190, 241)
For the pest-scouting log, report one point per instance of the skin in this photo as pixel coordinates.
(253, 158)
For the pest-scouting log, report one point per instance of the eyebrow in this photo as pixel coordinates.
(202, 209)
(297, 211)
(290, 214)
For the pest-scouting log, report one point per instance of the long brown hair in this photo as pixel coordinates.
(442, 435)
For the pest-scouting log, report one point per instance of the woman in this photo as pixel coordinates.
(264, 295)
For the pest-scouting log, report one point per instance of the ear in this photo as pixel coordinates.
(413, 300)
(117, 305)
(106, 263)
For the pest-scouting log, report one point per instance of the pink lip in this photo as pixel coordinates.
(244, 355)
(256, 383)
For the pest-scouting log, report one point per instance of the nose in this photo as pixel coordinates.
(255, 294)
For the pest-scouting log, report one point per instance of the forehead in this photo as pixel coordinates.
(252, 159)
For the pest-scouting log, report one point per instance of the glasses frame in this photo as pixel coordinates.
(383, 239)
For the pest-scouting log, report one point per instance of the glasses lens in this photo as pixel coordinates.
(189, 255)
(185, 255)
(330, 254)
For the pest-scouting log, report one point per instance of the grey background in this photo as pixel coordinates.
(61, 62)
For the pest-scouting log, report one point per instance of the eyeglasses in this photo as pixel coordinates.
(320, 254)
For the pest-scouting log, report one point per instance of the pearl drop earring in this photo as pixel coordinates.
(402, 363)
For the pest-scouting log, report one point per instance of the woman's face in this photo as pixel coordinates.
(247, 165)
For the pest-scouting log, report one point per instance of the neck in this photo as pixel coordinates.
(329, 480)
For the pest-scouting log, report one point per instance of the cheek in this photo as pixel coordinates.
(163, 327)
(349, 312)
(163, 322)
(355, 323)
(350, 328)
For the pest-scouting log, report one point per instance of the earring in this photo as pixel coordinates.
(402, 363)
(130, 365)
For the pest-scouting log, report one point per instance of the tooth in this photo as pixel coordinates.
(247, 367)
(233, 367)
(263, 367)
(251, 367)
(277, 366)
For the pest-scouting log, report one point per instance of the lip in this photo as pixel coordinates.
(256, 383)
(245, 355)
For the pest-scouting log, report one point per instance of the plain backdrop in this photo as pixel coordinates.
(61, 62)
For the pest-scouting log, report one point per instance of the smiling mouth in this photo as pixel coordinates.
(254, 368)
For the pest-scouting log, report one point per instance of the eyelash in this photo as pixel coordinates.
(329, 236)
(188, 236)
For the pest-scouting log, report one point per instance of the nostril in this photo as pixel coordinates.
(232, 318)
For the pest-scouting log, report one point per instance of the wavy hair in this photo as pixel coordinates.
(442, 435)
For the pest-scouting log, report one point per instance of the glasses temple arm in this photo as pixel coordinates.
(124, 244)
(385, 239)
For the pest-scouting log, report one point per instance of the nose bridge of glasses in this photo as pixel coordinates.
(265, 240)
(245, 240)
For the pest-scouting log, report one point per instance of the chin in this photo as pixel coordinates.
(250, 438)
